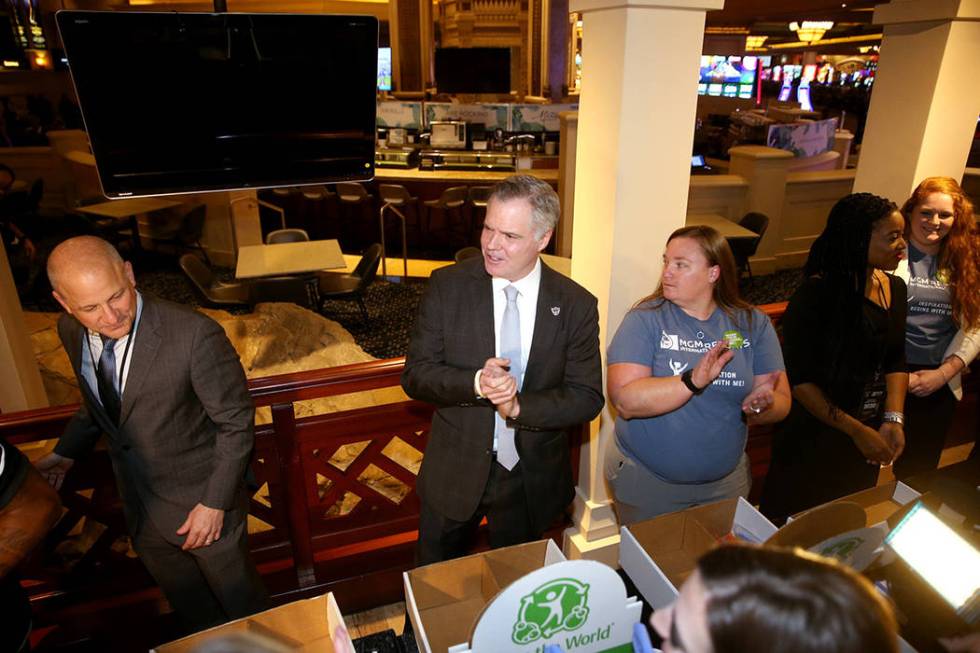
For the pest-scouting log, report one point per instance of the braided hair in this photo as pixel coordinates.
(839, 257)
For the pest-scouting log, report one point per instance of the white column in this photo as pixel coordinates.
(925, 102)
(636, 127)
(20, 382)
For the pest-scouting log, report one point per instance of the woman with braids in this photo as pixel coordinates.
(744, 599)
(690, 366)
(942, 332)
(844, 346)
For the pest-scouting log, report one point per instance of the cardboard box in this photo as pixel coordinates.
(444, 600)
(660, 553)
(871, 507)
(882, 502)
(299, 627)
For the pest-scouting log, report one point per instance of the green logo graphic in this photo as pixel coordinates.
(560, 604)
(843, 548)
(734, 338)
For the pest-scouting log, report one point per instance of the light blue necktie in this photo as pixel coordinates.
(510, 347)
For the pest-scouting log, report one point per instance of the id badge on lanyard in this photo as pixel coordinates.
(872, 399)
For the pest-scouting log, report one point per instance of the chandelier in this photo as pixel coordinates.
(810, 31)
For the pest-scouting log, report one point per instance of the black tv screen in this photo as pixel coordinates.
(184, 102)
(473, 70)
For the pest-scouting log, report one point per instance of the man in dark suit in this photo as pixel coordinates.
(165, 385)
(508, 350)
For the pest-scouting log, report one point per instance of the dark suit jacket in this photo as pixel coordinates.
(186, 427)
(452, 338)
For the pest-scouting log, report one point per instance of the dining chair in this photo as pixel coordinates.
(213, 290)
(745, 248)
(286, 236)
(185, 233)
(352, 286)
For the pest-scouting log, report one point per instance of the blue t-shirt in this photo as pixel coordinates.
(703, 440)
(929, 327)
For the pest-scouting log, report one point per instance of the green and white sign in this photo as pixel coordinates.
(580, 605)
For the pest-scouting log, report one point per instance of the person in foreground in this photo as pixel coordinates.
(164, 384)
(769, 600)
(942, 332)
(844, 342)
(29, 507)
(508, 351)
(689, 367)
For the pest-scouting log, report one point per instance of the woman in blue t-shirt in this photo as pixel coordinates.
(942, 330)
(688, 367)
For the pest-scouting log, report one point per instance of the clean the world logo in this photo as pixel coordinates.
(560, 604)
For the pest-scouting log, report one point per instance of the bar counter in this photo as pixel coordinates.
(461, 177)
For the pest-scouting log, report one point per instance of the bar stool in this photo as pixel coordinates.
(314, 214)
(477, 199)
(396, 199)
(450, 207)
(357, 206)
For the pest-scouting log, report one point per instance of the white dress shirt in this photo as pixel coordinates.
(527, 306)
(92, 353)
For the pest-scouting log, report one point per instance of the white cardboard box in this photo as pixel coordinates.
(658, 554)
(307, 625)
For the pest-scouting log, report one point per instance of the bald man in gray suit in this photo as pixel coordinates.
(164, 384)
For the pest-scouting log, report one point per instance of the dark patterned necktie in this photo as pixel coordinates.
(106, 378)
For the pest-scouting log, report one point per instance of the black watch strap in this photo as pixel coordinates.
(689, 382)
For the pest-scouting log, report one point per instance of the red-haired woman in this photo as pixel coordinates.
(942, 334)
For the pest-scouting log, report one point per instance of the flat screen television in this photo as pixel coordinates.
(729, 76)
(473, 70)
(188, 102)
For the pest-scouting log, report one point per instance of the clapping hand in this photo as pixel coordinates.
(499, 386)
(711, 364)
(761, 398)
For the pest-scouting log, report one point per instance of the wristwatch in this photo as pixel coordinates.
(686, 380)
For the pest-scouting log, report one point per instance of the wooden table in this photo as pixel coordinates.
(127, 210)
(721, 224)
(288, 258)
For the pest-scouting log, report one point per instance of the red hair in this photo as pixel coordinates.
(959, 251)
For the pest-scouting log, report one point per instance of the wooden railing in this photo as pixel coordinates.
(318, 521)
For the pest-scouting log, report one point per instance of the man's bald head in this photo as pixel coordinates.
(82, 255)
(92, 283)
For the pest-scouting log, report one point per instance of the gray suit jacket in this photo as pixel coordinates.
(452, 338)
(186, 427)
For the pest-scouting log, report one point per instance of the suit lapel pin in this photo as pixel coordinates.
(555, 310)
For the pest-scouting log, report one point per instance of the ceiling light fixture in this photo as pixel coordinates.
(753, 43)
(810, 31)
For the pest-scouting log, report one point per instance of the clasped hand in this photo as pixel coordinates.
(925, 382)
(499, 386)
(884, 446)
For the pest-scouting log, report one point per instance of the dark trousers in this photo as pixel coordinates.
(504, 503)
(206, 586)
(927, 421)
